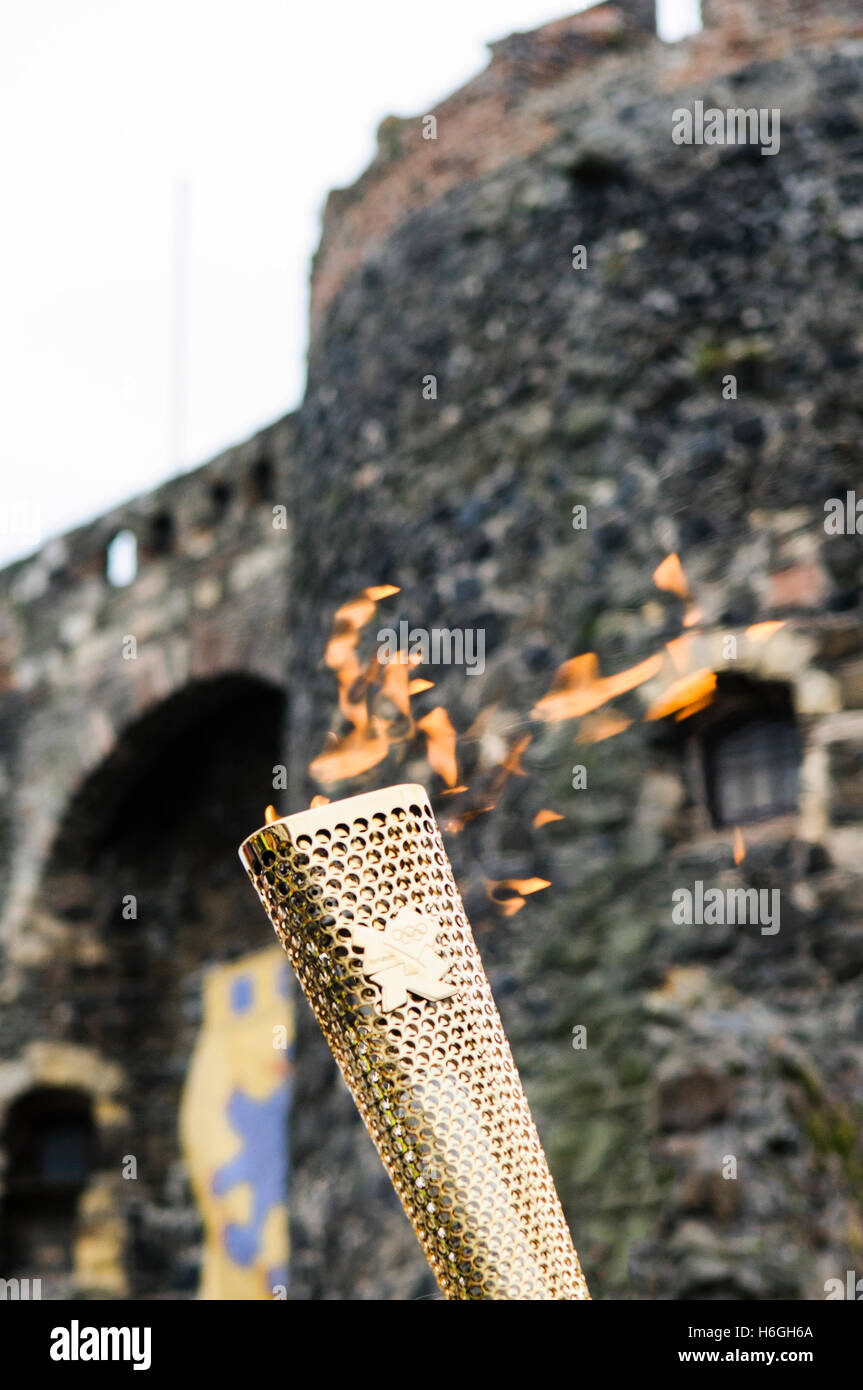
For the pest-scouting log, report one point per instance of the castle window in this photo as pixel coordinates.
(752, 773)
(751, 753)
(677, 19)
(121, 559)
(50, 1147)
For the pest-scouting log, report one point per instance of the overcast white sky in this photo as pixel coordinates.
(259, 107)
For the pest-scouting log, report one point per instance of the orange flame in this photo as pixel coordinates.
(456, 824)
(348, 620)
(270, 815)
(577, 691)
(490, 788)
(515, 890)
(685, 695)
(689, 710)
(440, 743)
(595, 728)
(669, 576)
(395, 684)
(739, 846)
(340, 655)
(318, 801)
(367, 742)
(578, 687)
(762, 632)
(679, 649)
(512, 761)
(359, 750)
(379, 591)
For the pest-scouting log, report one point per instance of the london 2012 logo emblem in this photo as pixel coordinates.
(403, 959)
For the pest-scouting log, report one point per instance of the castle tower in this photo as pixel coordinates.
(535, 311)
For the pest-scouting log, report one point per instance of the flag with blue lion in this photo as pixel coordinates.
(234, 1126)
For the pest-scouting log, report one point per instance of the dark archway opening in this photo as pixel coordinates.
(146, 865)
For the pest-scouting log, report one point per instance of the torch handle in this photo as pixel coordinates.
(363, 899)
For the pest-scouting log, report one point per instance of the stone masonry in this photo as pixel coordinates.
(555, 388)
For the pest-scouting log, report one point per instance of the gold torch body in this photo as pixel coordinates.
(363, 899)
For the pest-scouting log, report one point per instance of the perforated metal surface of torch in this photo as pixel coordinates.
(363, 899)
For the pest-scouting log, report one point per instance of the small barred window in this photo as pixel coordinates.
(752, 771)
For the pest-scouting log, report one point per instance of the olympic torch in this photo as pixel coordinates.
(362, 897)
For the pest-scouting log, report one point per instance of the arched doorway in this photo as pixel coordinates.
(145, 871)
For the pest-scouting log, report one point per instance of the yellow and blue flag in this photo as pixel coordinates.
(234, 1126)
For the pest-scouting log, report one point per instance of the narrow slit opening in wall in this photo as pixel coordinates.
(162, 534)
(262, 483)
(221, 495)
(678, 19)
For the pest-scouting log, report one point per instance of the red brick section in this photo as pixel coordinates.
(737, 32)
(494, 119)
(482, 126)
(800, 586)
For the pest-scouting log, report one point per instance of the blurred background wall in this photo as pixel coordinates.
(137, 769)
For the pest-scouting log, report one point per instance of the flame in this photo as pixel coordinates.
(689, 710)
(578, 691)
(379, 591)
(348, 620)
(762, 632)
(512, 761)
(440, 743)
(679, 649)
(669, 576)
(374, 731)
(318, 801)
(594, 728)
(270, 815)
(684, 696)
(367, 741)
(457, 823)
(341, 656)
(578, 687)
(490, 787)
(359, 750)
(395, 684)
(516, 889)
(739, 846)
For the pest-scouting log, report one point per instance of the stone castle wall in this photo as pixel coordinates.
(135, 770)
(507, 113)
